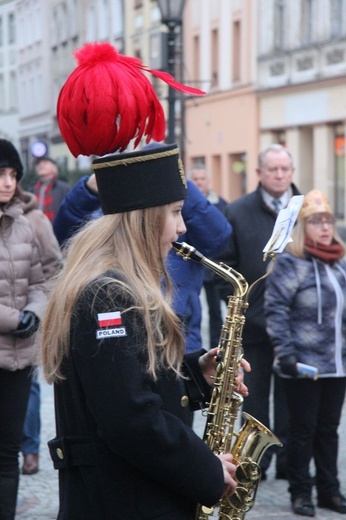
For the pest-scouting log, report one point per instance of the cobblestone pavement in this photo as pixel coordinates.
(38, 494)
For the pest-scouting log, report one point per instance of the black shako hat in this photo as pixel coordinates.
(9, 158)
(137, 180)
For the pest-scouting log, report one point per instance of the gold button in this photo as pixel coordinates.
(60, 453)
(184, 401)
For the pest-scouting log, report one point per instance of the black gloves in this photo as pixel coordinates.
(288, 365)
(28, 325)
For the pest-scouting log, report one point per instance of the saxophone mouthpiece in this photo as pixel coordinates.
(187, 252)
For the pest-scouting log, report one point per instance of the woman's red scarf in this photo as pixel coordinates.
(328, 254)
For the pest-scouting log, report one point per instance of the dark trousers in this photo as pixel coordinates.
(14, 395)
(314, 411)
(32, 424)
(260, 381)
(213, 297)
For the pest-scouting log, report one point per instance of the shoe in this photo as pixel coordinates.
(30, 464)
(336, 503)
(303, 506)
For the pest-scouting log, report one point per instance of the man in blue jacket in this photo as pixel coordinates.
(207, 230)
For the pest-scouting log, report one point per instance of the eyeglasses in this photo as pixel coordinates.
(320, 222)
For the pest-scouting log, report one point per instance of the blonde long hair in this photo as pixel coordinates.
(130, 244)
(297, 248)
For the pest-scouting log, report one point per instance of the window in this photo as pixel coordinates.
(30, 26)
(63, 23)
(11, 28)
(158, 50)
(336, 18)
(20, 31)
(306, 22)
(339, 170)
(117, 18)
(73, 19)
(91, 25)
(23, 99)
(280, 137)
(198, 160)
(32, 95)
(215, 57)
(38, 23)
(138, 53)
(54, 28)
(279, 25)
(237, 173)
(40, 92)
(2, 93)
(13, 94)
(196, 59)
(236, 51)
(216, 172)
(103, 17)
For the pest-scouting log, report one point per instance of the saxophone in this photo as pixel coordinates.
(249, 444)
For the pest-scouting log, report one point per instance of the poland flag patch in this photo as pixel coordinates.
(110, 324)
(109, 319)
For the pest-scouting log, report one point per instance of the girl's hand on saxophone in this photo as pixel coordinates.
(208, 362)
(229, 470)
(239, 385)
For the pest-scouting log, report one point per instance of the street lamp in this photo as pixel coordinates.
(172, 17)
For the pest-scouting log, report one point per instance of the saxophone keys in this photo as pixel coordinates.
(248, 472)
(215, 392)
(241, 500)
(220, 367)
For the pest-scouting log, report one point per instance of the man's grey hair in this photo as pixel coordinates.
(273, 148)
(197, 166)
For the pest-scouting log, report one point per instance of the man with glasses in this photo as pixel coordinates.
(252, 218)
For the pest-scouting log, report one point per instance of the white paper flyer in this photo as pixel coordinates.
(283, 226)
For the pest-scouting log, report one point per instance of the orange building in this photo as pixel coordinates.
(222, 128)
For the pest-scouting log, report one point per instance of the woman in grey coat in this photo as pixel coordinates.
(305, 309)
(22, 303)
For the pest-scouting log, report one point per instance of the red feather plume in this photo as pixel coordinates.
(107, 101)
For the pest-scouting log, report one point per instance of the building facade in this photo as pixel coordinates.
(272, 70)
(34, 78)
(301, 89)
(220, 58)
(49, 31)
(9, 99)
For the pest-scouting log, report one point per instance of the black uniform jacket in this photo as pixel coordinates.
(252, 222)
(123, 446)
